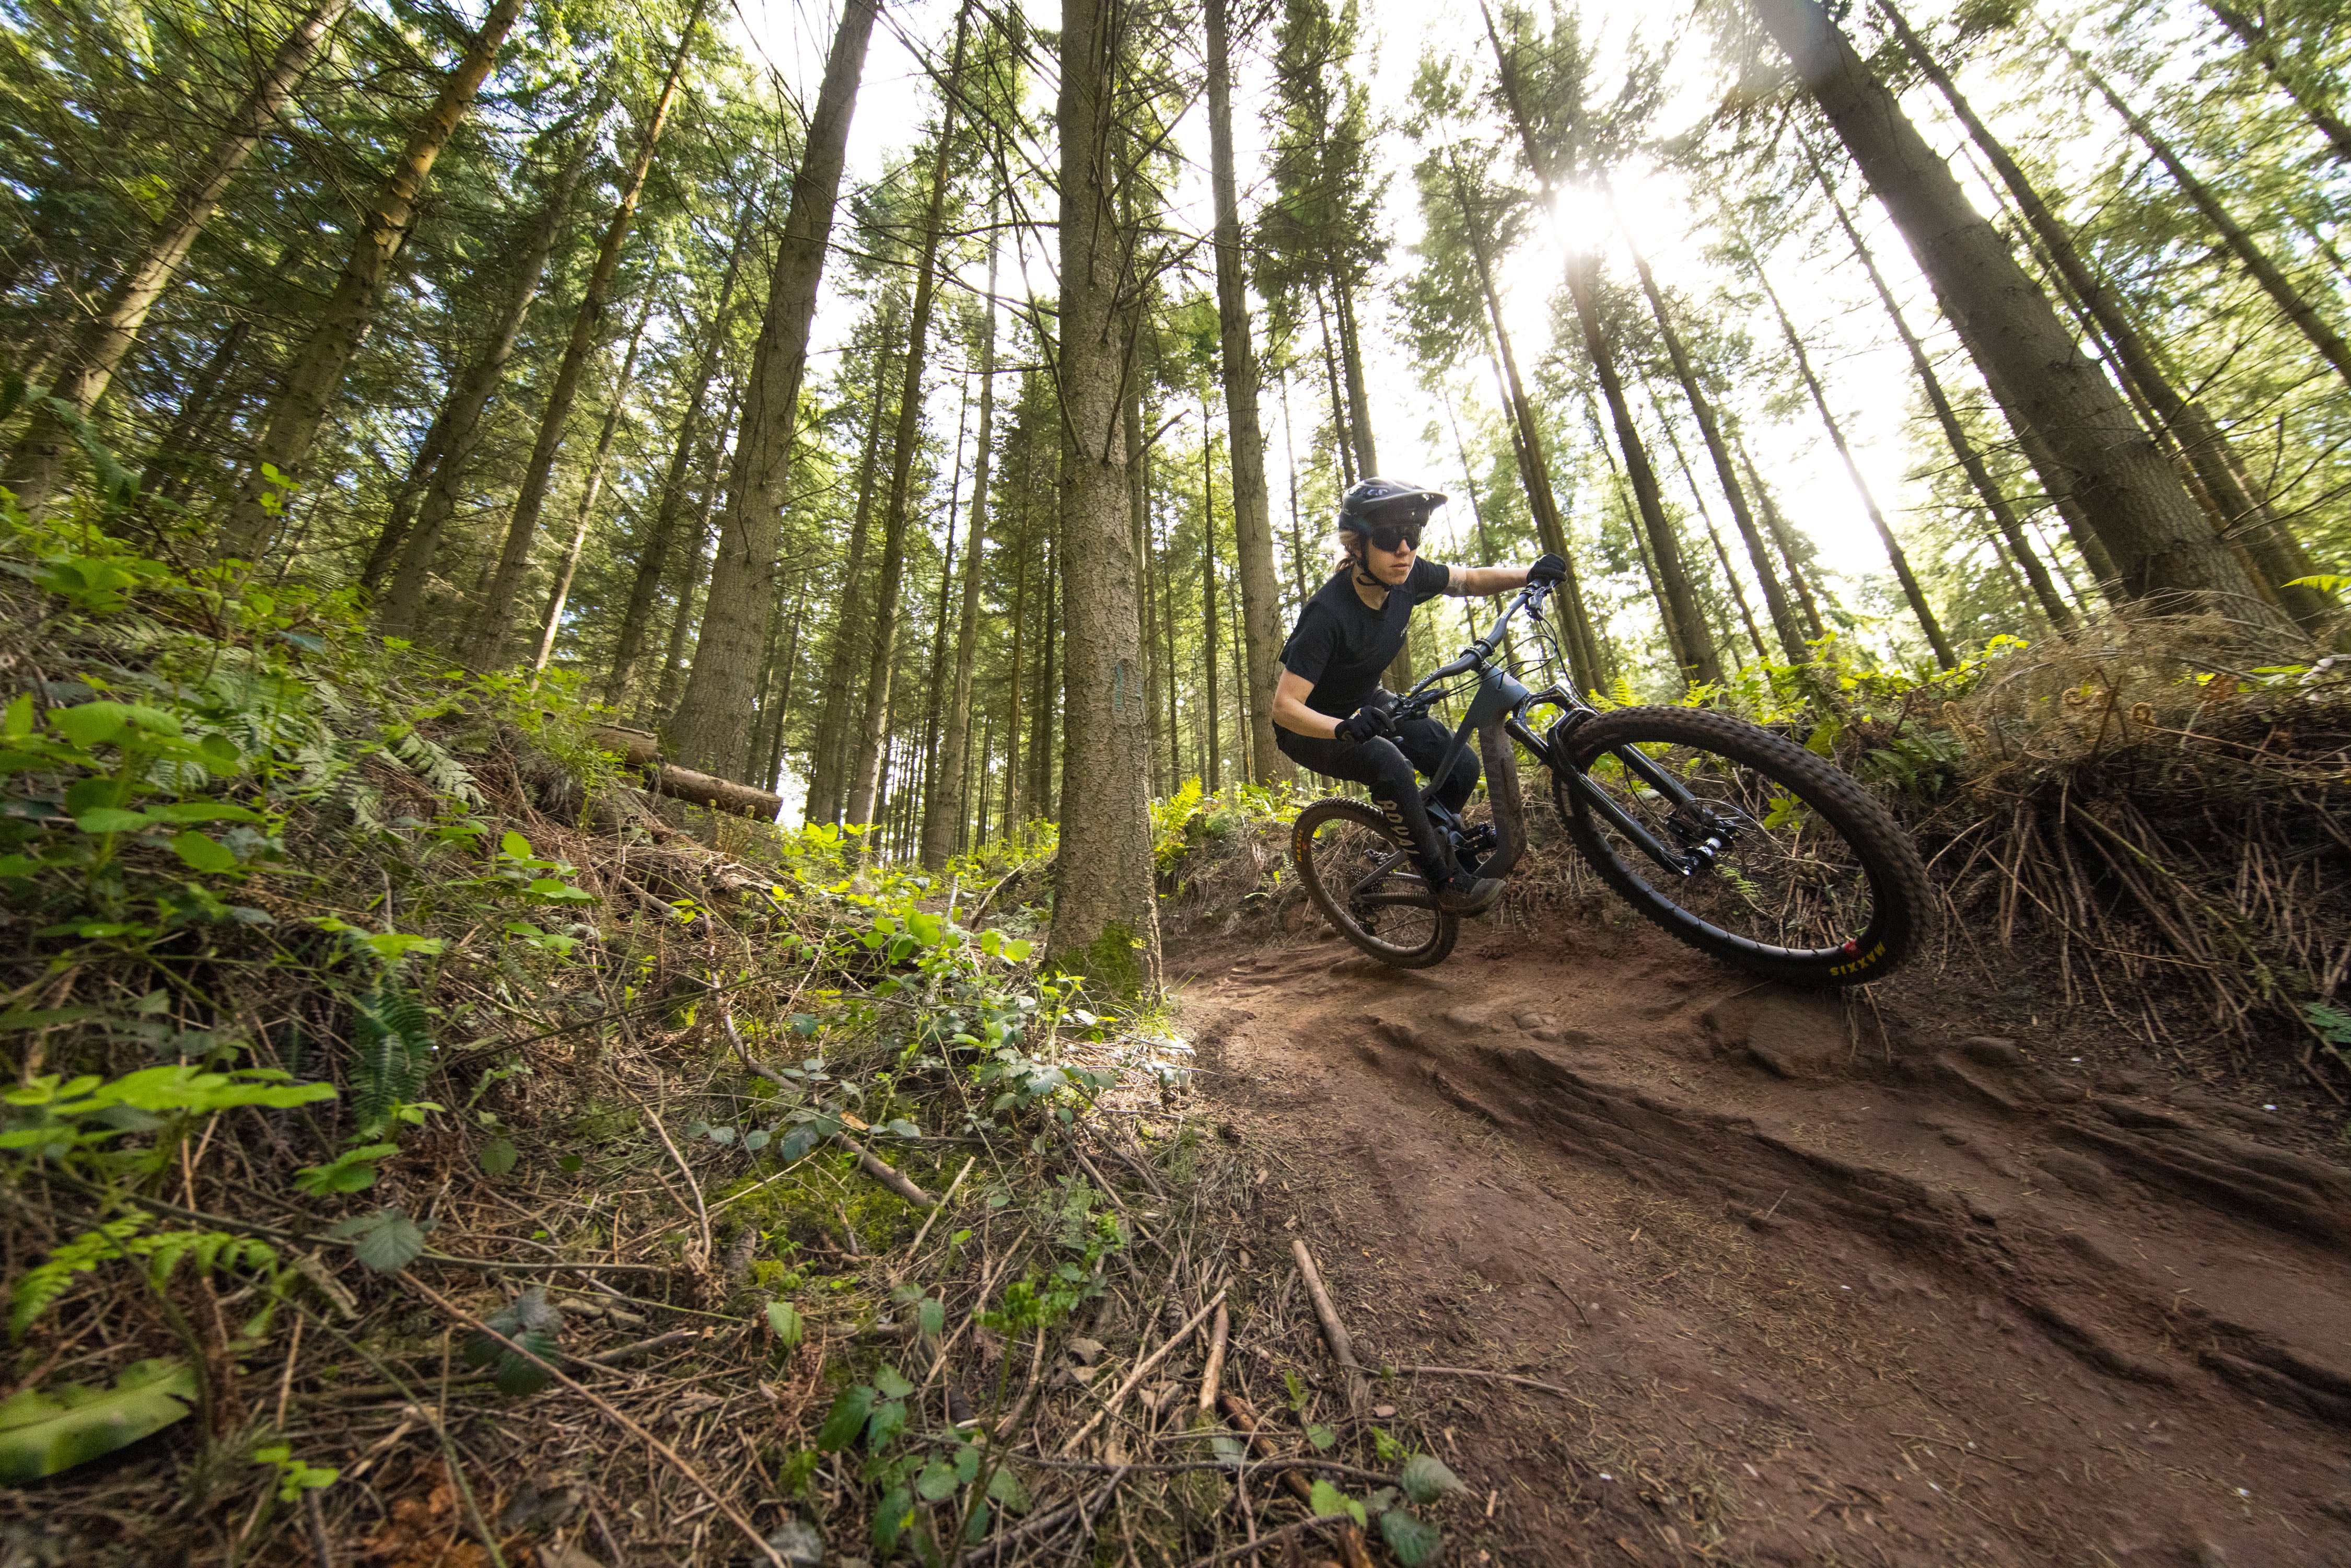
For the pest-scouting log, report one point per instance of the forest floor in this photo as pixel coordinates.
(1816, 1279)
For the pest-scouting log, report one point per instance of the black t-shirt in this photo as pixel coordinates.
(1341, 644)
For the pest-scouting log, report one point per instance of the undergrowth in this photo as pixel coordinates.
(422, 1145)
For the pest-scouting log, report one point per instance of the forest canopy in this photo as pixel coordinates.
(632, 348)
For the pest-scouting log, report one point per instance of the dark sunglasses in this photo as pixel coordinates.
(1391, 537)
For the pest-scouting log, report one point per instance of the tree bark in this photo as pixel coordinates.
(1105, 913)
(1714, 535)
(696, 563)
(943, 811)
(1252, 512)
(1342, 431)
(712, 728)
(1893, 552)
(317, 368)
(1534, 471)
(396, 616)
(2136, 505)
(2003, 515)
(2291, 301)
(1781, 539)
(1214, 779)
(881, 665)
(2244, 509)
(2309, 100)
(1699, 660)
(1775, 598)
(829, 770)
(1686, 625)
(653, 553)
(485, 638)
(34, 467)
(590, 487)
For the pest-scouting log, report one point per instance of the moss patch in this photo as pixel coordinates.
(1112, 961)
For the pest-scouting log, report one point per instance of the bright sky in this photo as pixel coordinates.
(1872, 388)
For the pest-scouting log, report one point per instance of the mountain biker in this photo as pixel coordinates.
(1332, 714)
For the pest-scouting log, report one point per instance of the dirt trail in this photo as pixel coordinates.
(1818, 1294)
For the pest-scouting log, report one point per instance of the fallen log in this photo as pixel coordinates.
(642, 749)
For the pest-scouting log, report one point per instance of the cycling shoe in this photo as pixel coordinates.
(1462, 894)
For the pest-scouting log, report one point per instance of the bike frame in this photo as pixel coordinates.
(1500, 696)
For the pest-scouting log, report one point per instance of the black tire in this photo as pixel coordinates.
(1831, 894)
(1352, 868)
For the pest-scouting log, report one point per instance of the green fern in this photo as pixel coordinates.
(213, 1251)
(395, 1052)
(38, 1291)
(437, 767)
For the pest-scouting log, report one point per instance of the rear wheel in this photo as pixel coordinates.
(1368, 888)
(1811, 882)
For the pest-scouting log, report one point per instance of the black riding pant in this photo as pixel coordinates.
(1391, 768)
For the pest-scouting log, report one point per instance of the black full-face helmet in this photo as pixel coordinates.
(1375, 501)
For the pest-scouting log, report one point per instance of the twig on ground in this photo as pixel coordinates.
(1219, 1333)
(1141, 1370)
(914, 1248)
(1342, 1349)
(887, 1175)
(694, 1477)
(700, 1210)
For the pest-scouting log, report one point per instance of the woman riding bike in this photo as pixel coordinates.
(1332, 714)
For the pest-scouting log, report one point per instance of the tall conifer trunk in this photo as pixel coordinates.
(865, 796)
(316, 371)
(592, 487)
(943, 813)
(712, 729)
(486, 635)
(2136, 505)
(1996, 505)
(1911, 590)
(1775, 598)
(396, 615)
(655, 550)
(2296, 306)
(1215, 778)
(2310, 100)
(1685, 623)
(1252, 514)
(34, 467)
(829, 769)
(1534, 471)
(1105, 911)
(2244, 509)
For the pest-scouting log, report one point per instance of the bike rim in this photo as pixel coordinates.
(1788, 885)
(1373, 886)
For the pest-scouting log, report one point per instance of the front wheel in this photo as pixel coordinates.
(1367, 887)
(1794, 871)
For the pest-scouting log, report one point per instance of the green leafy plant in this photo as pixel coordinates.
(294, 1475)
(43, 1432)
(529, 1321)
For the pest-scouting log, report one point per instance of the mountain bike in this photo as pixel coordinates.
(1737, 841)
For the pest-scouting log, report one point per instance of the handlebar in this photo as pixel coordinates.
(1420, 699)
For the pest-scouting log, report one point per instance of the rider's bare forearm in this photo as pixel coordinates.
(1291, 712)
(1478, 581)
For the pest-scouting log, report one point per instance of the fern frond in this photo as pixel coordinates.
(395, 1049)
(43, 1284)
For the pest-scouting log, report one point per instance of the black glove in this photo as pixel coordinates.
(1547, 570)
(1363, 724)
